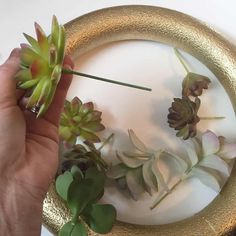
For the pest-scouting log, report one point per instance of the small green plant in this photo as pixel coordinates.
(81, 193)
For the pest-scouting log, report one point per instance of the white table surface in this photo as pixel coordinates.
(18, 16)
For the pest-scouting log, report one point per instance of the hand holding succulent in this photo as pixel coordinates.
(42, 66)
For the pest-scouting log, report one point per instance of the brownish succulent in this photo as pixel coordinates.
(193, 84)
(83, 156)
(183, 116)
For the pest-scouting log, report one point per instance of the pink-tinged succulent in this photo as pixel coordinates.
(41, 66)
(210, 159)
(80, 120)
(193, 84)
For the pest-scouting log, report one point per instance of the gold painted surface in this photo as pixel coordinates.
(176, 29)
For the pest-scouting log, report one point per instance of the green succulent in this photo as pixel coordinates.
(80, 120)
(183, 117)
(41, 66)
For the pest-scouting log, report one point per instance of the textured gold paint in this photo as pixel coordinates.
(182, 31)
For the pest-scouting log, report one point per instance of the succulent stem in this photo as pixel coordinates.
(106, 141)
(165, 195)
(66, 71)
(212, 118)
(180, 57)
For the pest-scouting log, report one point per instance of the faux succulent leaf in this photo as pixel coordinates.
(63, 183)
(182, 162)
(77, 173)
(78, 195)
(210, 143)
(208, 177)
(215, 162)
(228, 151)
(140, 155)
(117, 171)
(149, 178)
(67, 229)
(131, 161)
(158, 174)
(136, 141)
(100, 218)
(135, 183)
(79, 230)
(193, 157)
(98, 180)
(193, 84)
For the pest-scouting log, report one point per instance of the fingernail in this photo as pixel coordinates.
(15, 52)
(24, 45)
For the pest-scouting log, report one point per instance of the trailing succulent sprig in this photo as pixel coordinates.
(139, 171)
(80, 120)
(183, 111)
(208, 160)
(41, 66)
(81, 191)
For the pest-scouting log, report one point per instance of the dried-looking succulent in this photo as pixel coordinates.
(80, 120)
(41, 66)
(83, 156)
(183, 116)
(193, 84)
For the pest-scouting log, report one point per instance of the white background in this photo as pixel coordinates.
(18, 16)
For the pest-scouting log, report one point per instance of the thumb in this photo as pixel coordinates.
(8, 84)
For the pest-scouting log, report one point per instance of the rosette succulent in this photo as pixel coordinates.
(193, 84)
(41, 66)
(80, 120)
(84, 157)
(183, 116)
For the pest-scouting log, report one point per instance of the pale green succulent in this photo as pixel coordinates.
(139, 171)
(80, 120)
(41, 66)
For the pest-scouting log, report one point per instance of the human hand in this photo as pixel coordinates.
(28, 152)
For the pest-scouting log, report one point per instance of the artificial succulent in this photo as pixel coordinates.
(80, 120)
(83, 156)
(139, 171)
(183, 116)
(41, 66)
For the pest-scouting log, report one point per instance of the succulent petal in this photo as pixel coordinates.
(193, 84)
(210, 143)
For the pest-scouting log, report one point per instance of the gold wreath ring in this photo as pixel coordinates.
(179, 30)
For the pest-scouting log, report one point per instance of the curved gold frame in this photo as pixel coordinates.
(179, 30)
